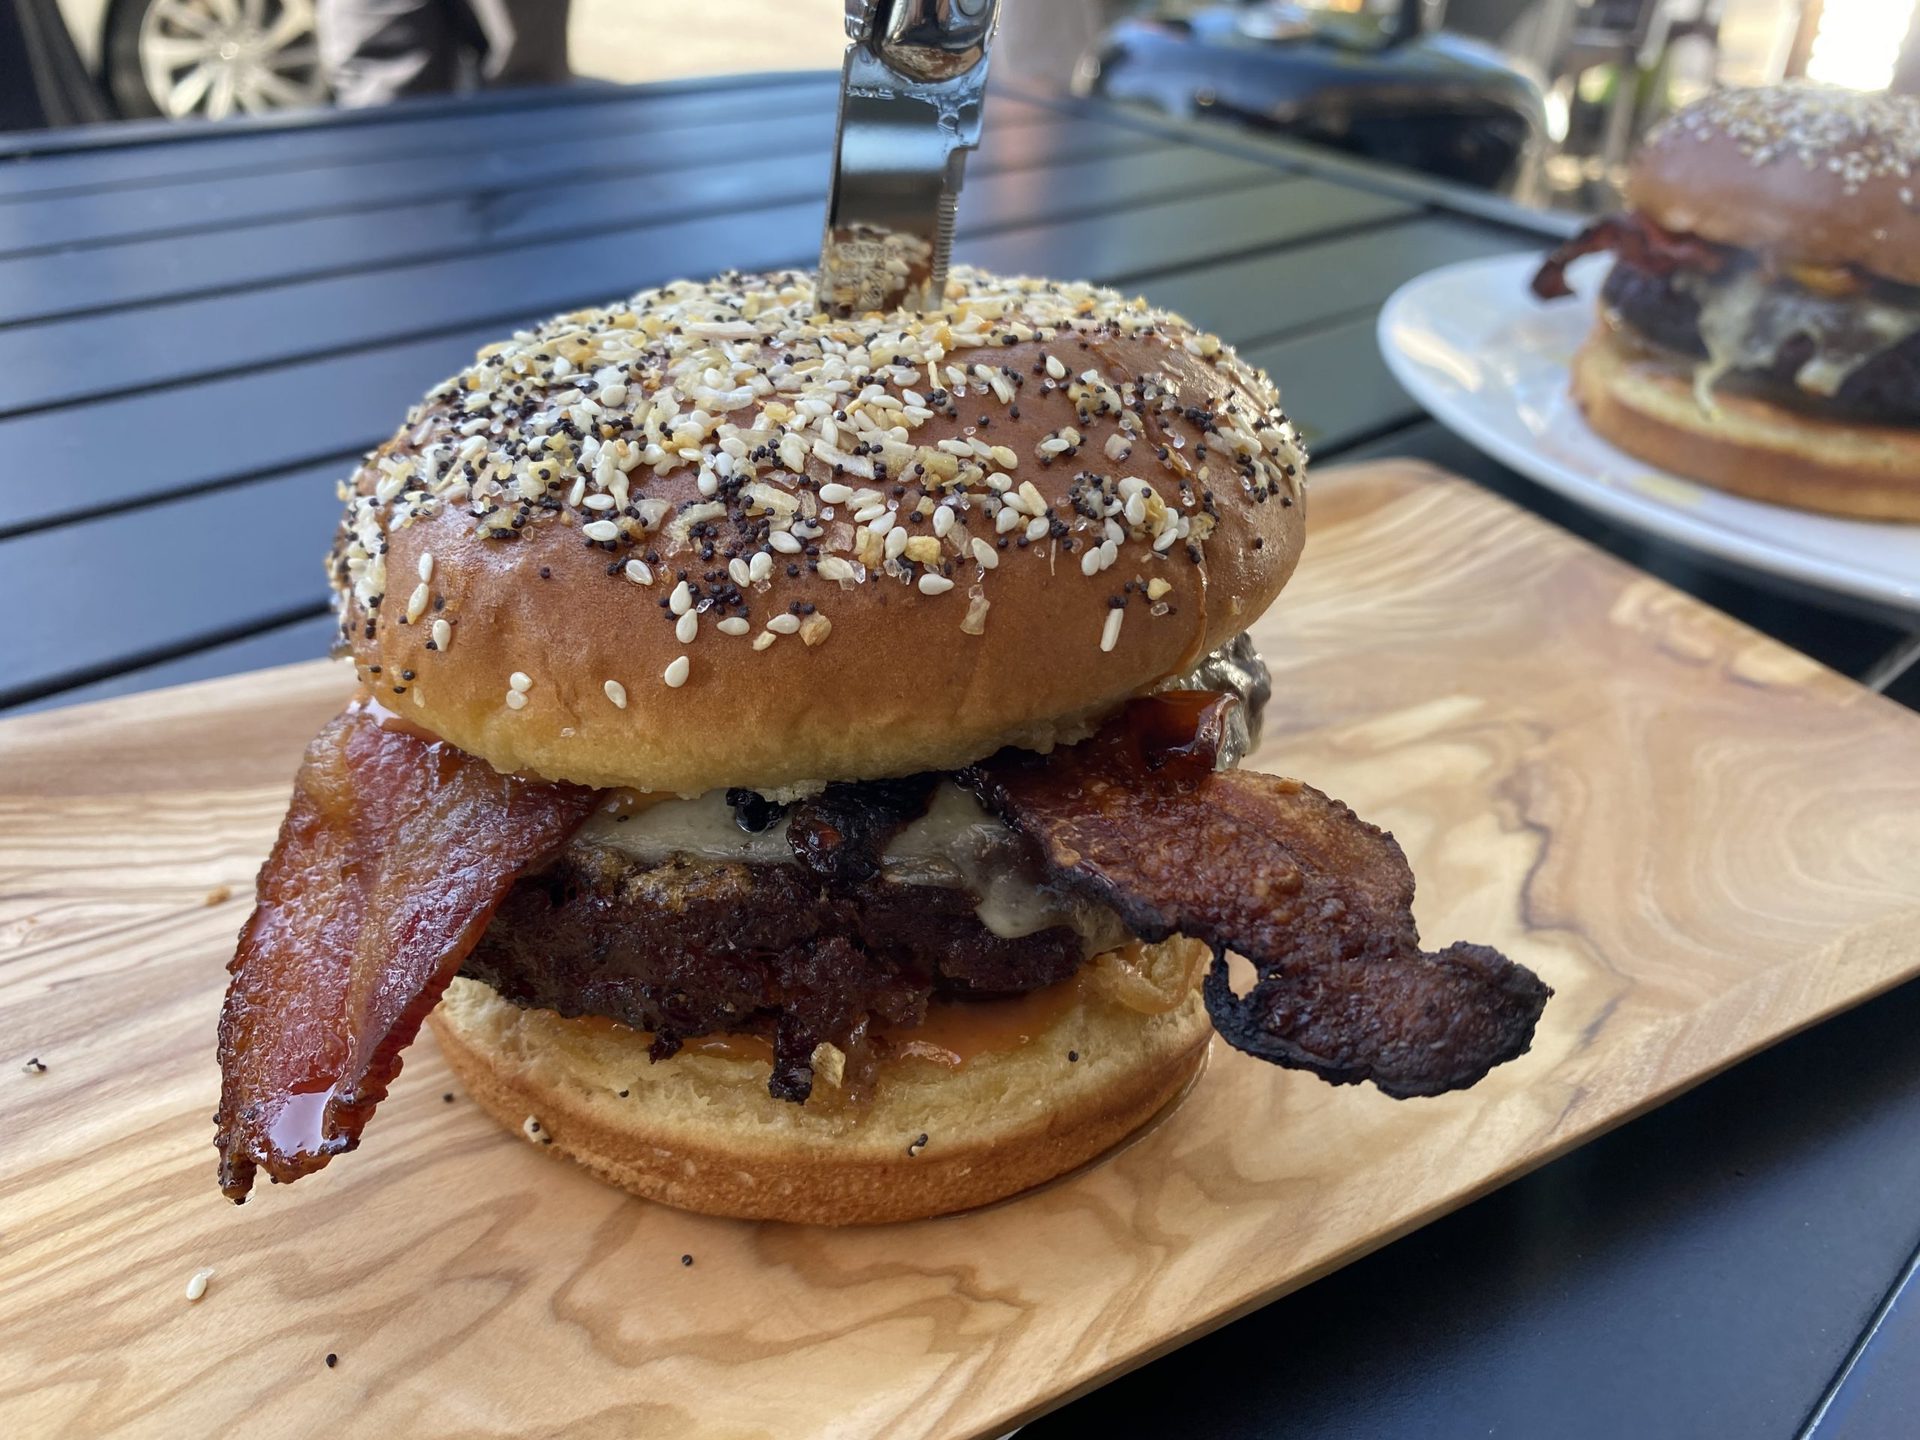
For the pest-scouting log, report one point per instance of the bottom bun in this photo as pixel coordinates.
(700, 1131)
(1644, 403)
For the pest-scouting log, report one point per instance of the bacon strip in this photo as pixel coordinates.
(390, 863)
(1271, 869)
(1636, 240)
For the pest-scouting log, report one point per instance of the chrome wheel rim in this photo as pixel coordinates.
(223, 57)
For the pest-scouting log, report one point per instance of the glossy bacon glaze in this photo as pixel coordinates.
(388, 866)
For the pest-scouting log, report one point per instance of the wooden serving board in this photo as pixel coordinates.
(1701, 839)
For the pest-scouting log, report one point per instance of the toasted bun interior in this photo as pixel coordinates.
(700, 1131)
(1642, 401)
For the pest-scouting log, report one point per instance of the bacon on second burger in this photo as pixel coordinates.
(1636, 240)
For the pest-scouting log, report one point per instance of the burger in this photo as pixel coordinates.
(792, 768)
(1760, 328)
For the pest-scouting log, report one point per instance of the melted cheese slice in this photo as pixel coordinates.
(955, 844)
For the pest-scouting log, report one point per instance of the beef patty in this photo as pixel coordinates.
(690, 947)
(1662, 309)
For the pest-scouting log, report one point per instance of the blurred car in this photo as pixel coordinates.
(1375, 84)
(212, 58)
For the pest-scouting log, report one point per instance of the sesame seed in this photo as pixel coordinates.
(1110, 633)
(617, 693)
(676, 673)
(516, 700)
(520, 680)
(197, 1283)
(686, 627)
(417, 602)
(747, 395)
(784, 624)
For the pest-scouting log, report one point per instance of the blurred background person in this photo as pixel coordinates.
(373, 52)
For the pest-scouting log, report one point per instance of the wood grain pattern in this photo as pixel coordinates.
(1701, 839)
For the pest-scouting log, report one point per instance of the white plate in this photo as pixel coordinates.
(1486, 359)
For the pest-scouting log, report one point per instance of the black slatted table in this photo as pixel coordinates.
(201, 329)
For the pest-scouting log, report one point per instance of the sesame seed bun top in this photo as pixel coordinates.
(1803, 174)
(708, 538)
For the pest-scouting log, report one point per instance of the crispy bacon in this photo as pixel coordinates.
(389, 865)
(1273, 870)
(1637, 241)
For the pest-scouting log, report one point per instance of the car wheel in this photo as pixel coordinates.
(212, 58)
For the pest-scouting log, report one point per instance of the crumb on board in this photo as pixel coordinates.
(197, 1283)
(332, 1359)
(219, 895)
(919, 1144)
(531, 1128)
(35, 1066)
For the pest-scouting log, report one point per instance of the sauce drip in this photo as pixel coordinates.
(723, 1046)
(957, 1032)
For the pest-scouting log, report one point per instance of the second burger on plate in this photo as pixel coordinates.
(1760, 329)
